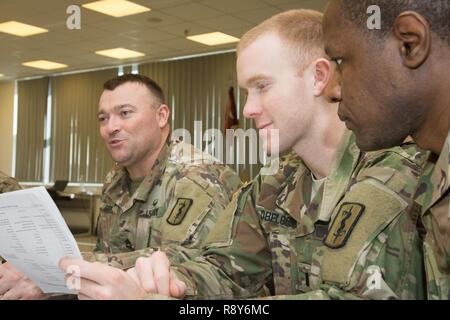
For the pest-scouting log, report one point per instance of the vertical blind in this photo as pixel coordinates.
(78, 153)
(31, 113)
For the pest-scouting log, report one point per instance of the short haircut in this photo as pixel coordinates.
(437, 13)
(301, 29)
(151, 85)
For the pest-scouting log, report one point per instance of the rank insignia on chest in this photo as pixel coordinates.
(179, 211)
(343, 224)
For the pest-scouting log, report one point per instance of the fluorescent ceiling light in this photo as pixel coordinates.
(1, 75)
(20, 29)
(44, 64)
(213, 38)
(120, 53)
(116, 8)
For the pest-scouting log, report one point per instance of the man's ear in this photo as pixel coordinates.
(413, 34)
(162, 115)
(322, 73)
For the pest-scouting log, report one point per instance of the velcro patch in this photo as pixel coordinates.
(343, 224)
(179, 211)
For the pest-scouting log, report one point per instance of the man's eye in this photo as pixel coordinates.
(338, 61)
(125, 113)
(101, 118)
(261, 86)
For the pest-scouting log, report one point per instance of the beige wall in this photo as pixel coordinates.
(6, 125)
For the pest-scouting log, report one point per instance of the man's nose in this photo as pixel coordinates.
(113, 125)
(252, 108)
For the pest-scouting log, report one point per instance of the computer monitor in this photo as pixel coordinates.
(60, 185)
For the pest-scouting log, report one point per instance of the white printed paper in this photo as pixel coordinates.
(34, 237)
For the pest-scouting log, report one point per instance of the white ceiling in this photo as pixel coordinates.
(159, 33)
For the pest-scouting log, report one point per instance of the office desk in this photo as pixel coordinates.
(79, 212)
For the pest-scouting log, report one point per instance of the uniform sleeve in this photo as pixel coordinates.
(198, 197)
(437, 251)
(124, 261)
(235, 262)
(373, 248)
(8, 184)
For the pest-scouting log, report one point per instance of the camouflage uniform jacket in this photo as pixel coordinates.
(7, 183)
(178, 202)
(433, 194)
(357, 238)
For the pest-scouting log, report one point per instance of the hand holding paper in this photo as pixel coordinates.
(34, 236)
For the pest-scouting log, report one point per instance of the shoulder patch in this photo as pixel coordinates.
(179, 211)
(343, 224)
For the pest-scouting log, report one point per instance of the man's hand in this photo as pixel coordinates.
(101, 282)
(154, 275)
(16, 286)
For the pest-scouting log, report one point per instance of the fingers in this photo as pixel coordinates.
(103, 282)
(177, 287)
(90, 290)
(10, 278)
(96, 272)
(144, 271)
(161, 273)
(24, 290)
(133, 275)
(155, 276)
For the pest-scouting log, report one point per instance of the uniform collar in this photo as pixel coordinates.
(435, 179)
(118, 189)
(336, 184)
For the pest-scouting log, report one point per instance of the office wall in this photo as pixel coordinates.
(6, 125)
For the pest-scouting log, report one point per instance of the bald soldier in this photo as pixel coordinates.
(394, 82)
(332, 223)
(161, 191)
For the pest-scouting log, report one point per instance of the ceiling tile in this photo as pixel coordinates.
(159, 33)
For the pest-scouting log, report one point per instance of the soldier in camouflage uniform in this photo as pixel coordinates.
(160, 192)
(352, 237)
(356, 238)
(176, 200)
(412, 50)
